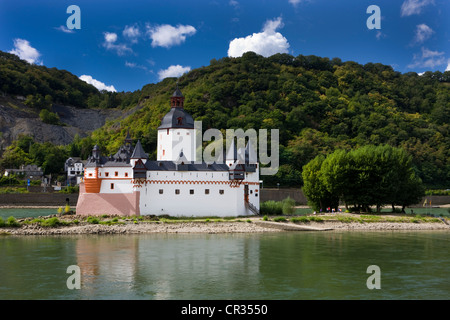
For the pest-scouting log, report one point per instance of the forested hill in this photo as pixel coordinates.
(42, 86)
(318, 104)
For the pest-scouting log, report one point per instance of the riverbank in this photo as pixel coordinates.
(73, 225)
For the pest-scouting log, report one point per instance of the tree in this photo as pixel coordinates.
(314, 188)
(363, 177)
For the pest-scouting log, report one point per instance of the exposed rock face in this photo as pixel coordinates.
(17, 118)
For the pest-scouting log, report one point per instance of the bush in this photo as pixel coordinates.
(12, 222)
(280, 219)
(49, 117)
(2, 222)
(271, 208)
(265, 218)
(51, 223)
(9, 180)
(300, 219)
(288, 206)
(93, 220)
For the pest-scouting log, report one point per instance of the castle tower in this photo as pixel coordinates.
(176, 132)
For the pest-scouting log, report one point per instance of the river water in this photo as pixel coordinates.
(275, 266)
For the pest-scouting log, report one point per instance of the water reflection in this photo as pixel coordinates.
(291, 265)
(167, 266)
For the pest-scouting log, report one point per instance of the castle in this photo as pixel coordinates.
(176, 184)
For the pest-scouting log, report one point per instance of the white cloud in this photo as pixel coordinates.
(110, 44)
(427, 59)
(132, 33)
(410, 7)
(167, 36)
(173, 71)
(266, 43)
(25, 51)
(423, 32)
(380, 35)
(295, 2)
(98, 84)
(110, 37)
(64, 29)
(134, 65)
(448, 65)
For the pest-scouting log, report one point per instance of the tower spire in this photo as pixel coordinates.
(177, 99)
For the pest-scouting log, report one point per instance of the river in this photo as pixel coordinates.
(275, 266)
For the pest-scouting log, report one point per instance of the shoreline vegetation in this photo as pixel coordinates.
(71, 224)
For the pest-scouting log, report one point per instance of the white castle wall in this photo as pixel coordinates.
(172, 141)
(184, 194)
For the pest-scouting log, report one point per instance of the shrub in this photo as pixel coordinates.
(2, 222)
(316, 219)
(300, 219)
(287, 206)
(271, 208)
(12, 222)
(93, 220)
(279, 219)
(265, 218)
(51, 223)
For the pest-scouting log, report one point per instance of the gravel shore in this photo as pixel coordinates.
(248, 226)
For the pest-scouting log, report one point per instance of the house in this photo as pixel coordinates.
(74, 168)
(30, 171)
(174, 184)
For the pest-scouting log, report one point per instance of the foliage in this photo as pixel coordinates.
(12, 222)
(93, 220)
(271, 207)
(288, 206)
(363, 177)
(49, 117)
(318, 104)
(9, 180)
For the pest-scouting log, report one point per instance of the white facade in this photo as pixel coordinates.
(173, 141)
(173, 184)
(198, 193)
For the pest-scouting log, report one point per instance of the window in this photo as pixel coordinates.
(177, 191)
(106, 174)
(90, 174)
(126, 174)
(161, 191)
(164, 152)
(206, 191)
(167, 131)
(112, 186)
(221, 191)
(179, 121)
(191, 191)
(116, 174)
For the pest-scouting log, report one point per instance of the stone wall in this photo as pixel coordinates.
(38, 199)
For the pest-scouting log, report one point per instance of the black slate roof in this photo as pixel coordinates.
(177, 118)
(172, 166)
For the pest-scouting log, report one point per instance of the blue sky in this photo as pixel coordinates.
(123, 45)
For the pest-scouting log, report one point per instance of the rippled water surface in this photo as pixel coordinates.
(282, 266)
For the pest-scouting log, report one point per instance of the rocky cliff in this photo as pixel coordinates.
(16, 119)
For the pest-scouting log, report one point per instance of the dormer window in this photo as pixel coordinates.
(179, 121)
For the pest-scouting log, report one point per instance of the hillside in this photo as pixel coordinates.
(318, 105)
